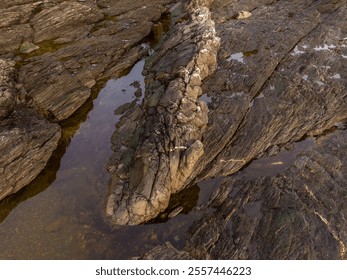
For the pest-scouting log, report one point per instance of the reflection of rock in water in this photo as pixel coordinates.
(265, 94)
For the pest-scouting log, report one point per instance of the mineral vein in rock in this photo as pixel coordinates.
(174, 118)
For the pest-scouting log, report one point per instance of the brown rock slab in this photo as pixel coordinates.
(27, 142)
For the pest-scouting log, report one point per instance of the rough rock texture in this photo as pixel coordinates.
(272, 78)
(270, 89)
(26, 140)
(281, 75)
(52, 53)
(26, 144)
(298, 214)
(170, 146)
(65, 22)
(299, 89)
(92, 44)
(166, 251)
(7, 88)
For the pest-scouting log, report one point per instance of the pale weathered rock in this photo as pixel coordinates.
(165, 157)
(272, 89)
(291, 95)
(268, 90)
(8, 93)
(299, 213)
(243, 15)
(28, 47)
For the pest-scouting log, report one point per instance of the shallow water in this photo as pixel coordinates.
(273, 165)
(60, 214)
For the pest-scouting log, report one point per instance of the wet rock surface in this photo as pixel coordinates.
(281, 75)
(52, 55)
(299, 213)
(230, 82)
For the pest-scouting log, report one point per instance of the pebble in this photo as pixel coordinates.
(243, 15)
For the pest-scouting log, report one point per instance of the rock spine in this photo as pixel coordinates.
(169, 145)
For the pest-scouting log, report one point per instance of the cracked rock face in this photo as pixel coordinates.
(299, 213)
(7, 88)
(170, 145)
(281, 75)
(26, 139)
(27, 143)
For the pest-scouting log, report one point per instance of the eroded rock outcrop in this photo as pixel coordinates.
(281, 76)
(170, 145)
(26, 140)
(8, 93)
(298, 214)
(52, 54)
(299, 89)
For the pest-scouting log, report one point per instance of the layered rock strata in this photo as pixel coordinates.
(169, 138)
(299, 213)
(52, 55)
(281, 76)
(26, 139)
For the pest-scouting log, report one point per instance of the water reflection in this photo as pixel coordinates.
(63, 219)
(66, 200)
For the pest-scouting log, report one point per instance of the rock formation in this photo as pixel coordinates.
(170, 145)
(230, 82)
(298, 214)
(52, 54)
(280, 76)
(26, 139)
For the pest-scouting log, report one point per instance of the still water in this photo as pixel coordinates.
(60, 214)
